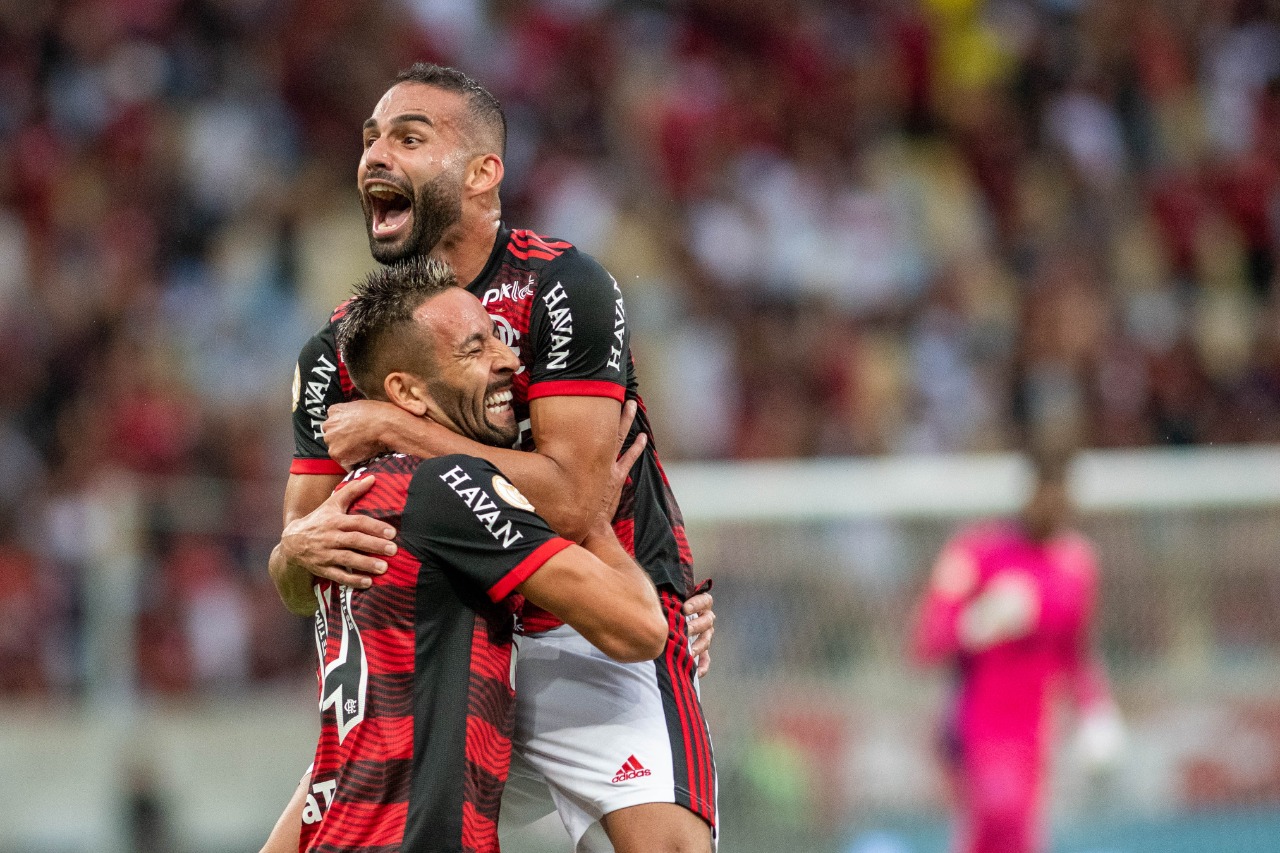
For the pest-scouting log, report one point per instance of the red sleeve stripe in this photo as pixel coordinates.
(316, 466)
(524, 238)
(526, 254)
(527, 567)
(578, 388)
(525, 244)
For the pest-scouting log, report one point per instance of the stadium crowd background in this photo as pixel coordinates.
(843, 228)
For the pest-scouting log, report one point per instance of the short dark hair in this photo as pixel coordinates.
(383, 304)
(482, 106)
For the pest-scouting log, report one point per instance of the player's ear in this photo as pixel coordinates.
(484, 173)
(407, 391)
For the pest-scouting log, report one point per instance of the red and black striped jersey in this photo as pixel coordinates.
(563, 314)
(415, 690)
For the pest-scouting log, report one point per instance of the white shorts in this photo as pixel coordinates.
(593, 735)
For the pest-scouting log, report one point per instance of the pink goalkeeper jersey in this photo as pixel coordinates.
(1004, 690)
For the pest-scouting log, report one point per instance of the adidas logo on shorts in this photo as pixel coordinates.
(630, 769)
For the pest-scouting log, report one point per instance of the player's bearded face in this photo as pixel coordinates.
(432, 208)
(480, 412)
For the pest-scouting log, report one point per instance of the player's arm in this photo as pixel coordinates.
(1100, 736)
(952, 582)
(285, 835)
(566, 477)
(462, 514)
(322, 539)
(600, 591)
(319, 537)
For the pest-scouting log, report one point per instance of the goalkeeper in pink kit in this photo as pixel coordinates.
(1009, 607)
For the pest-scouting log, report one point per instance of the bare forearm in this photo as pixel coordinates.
(612, 604)
(293, 583)
(541, 479)
(602, 542)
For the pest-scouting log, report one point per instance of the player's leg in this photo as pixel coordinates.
(526, 799)
(1000, 797)
(612, 737)
(657, 828)
(288, 829)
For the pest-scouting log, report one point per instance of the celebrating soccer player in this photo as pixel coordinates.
(622, 751)
(415, 694)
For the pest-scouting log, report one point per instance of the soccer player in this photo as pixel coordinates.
(1009, 607)
(624, 749)
(415, 693)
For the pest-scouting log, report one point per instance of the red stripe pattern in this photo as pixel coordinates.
(691, 740)
(363, 781)
(577, 388)
(315, 466)
(526, 244)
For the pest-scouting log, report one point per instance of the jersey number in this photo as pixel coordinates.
(345, 681)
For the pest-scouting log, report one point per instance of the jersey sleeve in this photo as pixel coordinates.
(578, 326)
(463, 515)
(952, 583)
(1082, 665)
(317, 385)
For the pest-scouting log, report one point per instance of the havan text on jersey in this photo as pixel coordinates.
(482, 504)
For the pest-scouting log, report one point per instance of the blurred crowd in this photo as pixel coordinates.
(842, 227)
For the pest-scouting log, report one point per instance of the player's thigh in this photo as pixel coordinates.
(657, 828)
(1002, 777)
(526, 798)
(610, 736)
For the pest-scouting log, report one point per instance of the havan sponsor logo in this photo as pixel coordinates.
(619, 327)
(561, 327)
(482, 505)
(318, 380)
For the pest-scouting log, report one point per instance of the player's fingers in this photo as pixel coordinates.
(363, 543)
(343, 498)
(353, 523)
(698, 603)
(704, 663)
(628, 460)
(701, 622)
(351, 579)
(702, 642)
(352, 569)
(624, 424)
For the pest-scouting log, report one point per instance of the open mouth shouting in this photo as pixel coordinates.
(389, 209)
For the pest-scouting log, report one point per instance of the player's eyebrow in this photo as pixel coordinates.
(474, 337)
(403, 118)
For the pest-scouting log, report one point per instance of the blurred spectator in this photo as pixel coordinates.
(844, 228)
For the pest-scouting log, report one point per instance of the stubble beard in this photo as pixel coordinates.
(437, 206)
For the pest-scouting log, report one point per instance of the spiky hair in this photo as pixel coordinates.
(383, 304)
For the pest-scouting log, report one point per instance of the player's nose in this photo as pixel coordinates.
(505, 361)
(376, 154)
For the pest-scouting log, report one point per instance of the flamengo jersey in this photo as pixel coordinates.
(416, 700)
(563, 315)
